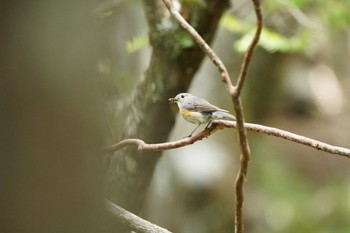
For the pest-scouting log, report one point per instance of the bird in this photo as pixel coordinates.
(197, 110)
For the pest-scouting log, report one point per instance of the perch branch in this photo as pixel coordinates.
(234, 92)
(129, 219)
(221, 124)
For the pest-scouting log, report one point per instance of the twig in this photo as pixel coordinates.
(234, 92)
(143, 146)
(245, 156)
(135, 223)
(244, 160)
(249, 52)
(203, 45)
(221, 124)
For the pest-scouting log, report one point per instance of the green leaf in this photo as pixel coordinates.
(274, 42)
(270, 40)
(137, 43)
(186, 41)
(232, 24)
(339, 15)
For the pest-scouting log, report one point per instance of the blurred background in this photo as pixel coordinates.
(53, 126)
(298, 81)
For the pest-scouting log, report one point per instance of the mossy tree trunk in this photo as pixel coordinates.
(175, 60)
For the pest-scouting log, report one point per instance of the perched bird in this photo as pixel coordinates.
(197, 110)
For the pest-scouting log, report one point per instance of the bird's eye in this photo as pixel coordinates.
(182, 96)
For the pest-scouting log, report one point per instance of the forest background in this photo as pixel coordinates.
(74, 82)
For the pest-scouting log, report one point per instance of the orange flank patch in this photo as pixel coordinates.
(185, 112)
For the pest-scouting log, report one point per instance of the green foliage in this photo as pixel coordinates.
(137, 43)
(339, 15)
(184, 40)
(274, 42)
(193, 2)
(289, 199)
(301, 3)
(299, 19)
(232, 24)
(270, 40)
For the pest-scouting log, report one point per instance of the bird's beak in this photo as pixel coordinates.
(172, 100)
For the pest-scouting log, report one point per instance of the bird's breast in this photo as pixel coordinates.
(194, 117)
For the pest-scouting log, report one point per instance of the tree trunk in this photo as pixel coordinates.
(175, 59)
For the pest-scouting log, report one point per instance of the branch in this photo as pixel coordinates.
(221, 124)
(202, 44)
(171, 69)
(249, 52)
(234, 92)
(131, 220)
(242, 132)
(143, 146)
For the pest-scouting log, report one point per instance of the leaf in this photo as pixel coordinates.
(339, 15)
(232, 24)
(274, 42)
(270, 40)
(137, 43)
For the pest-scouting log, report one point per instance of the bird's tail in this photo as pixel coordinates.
(219, 115)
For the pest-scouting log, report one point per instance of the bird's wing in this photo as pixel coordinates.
(201, 105)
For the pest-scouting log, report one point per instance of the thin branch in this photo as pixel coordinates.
(143, 146)
(234, 92)
(247, 57)
(242, 132)
(244, 160)
(221, 124)
(146, 112)
(131, 220)
(203, 45)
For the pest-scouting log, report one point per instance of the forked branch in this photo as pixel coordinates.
(234, 92)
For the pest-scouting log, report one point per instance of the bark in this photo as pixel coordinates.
(175, 59)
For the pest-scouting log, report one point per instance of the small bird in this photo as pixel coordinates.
(197, 110)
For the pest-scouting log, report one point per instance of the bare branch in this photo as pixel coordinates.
(143, 146)
(203, 45)
(234, 92)
(131, 220)
(170, 71)
(221, 124)
(247, 57)
(245, 156)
